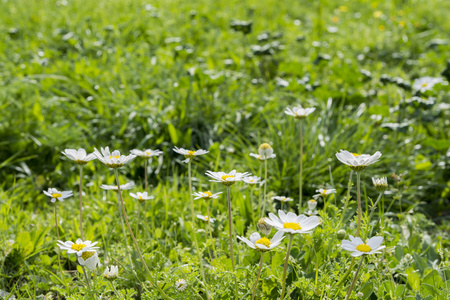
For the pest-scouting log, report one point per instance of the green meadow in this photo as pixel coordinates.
(219, 75)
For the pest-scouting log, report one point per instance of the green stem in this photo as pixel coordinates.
(116, 173)
(251, 204)
(86, 277)
(265, 185)
(59, 250)
(137, 220)
(300, 180)
(259, 274)
(291, 237)
(358, 189)
(124, 233)
(354, 279)
(349, 187)
(230, 233)
(259, 190)
(81, 202)
(375, 205)
(210, 231)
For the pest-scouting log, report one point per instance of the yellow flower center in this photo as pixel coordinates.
(355, 154)
(324, 192)
(148, 153)
(363, 248)
(87, 254)
(206, 218)
(292, 225)
(208, 193)
(224, 177)
(140, 197)
(78, 247)
(263, 241)
(424, 84)
(115, 156)
(265, 146)
(251, 180)
(56, 195)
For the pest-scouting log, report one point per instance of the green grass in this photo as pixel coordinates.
(135, 74)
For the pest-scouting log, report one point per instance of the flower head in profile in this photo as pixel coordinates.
(114, 159)
(111, 273)
(54, 194)
(89, 259)
(426, 83)
(265, 151)
(312, 204)
(291, 223)
(262, 243)
(181, 285)
(381, 184)
(78, 247)
(324, 193)
(206, 195)
(262, 159)
(141, 196)
(253, 180)
(358, 247)
(123, 187)
(299, 112)
(149, 153)
(79, 156)
(282, 198)
(206, 218)
(189, 154)
(357, 162)
(227, 179)
(264, 227)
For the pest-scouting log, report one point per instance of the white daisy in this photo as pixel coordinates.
(141, 196)
(55, 194)
(149, 153)
(265, 151)
(426, 83)
(123, 187)
(114, 159)
(206, 218)
(357, 162)
(282, 198)
(380, 184)
(206, 195)
(253, 180)
(189, 154)
(89, 259)
(299, 112)
(324, 193)
(262, 243)
(181, 285)
(112, 273)
(262, 159)
(227, 178)
(79, 156)
(358, 247)
(291, 223)
(264, 227)
(312, 207)
(78, 247)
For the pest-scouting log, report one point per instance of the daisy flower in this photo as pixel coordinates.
(380, 184)
(264, 227)
(123, 187)
(89, 259)
(299, 112)
(358, 247)
(265, 151)
(291, 223)
(227, 179)
(262, 243)
(206, 218)
(426, 83)
(114, 159)
(181, 285)
(149, 153)
(54, 194)
(141, 196)
(112, 273)
(282, 198)
(206, 195)
(78, 247)
(189, 154)
(252, 180)
(312, 207)
(357, 162)
(79, 156)
(260, 158)
(324, 193)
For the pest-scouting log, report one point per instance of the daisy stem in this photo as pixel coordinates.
(259, 274)
(265, 185)
(81, 202)
(87, 278)
(259, 189)
(347, 198)
(59, 250)
(354, 279)
(145, 203)
(116, 173)
(358, 195)
(114, 288)
(194, 233)
(251, 204)
(137, 220)
(210, 231)
(300, 180)
(291, 237)
(230, 232)
(375, 206)
(346, 273)
(124, 233)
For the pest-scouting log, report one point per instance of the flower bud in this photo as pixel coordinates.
(312, 204)
(380, 184)
(264, 227)
(341, 234)
(265, 151)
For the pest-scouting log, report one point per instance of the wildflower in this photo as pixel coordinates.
(358, 247)
(189, 154)
(265, 151)
(227, 179)
(79, 156)
(253, 180)
(426, 83)
(123, 187)
(264, 227)
(299, 112)
(291, 223)
(282, 198)
(149, 153)
(112, 273)
(206, 195)
(380, 184)
(262, 158)
(312, 207)
(78, 247)
(357, 162)
(114, 159)
(181, 285)
(57, 195)
(206, 218)
(141, 196)
(324, 193)
(262, 243)
(89, 259)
